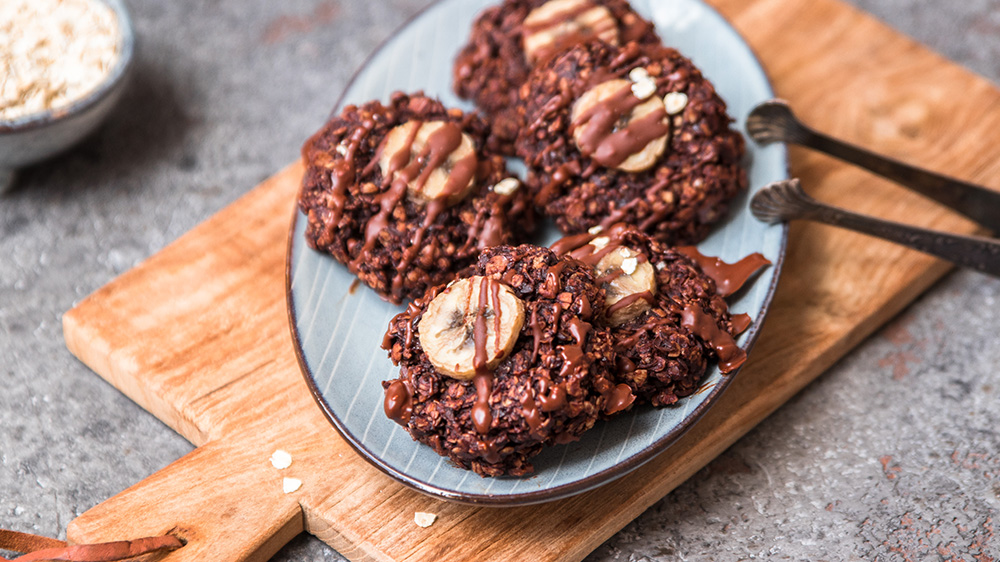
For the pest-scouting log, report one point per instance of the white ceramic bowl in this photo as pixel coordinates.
(32, 138)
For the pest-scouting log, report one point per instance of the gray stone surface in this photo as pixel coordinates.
(892, 455)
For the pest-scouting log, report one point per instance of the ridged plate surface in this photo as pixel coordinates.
(338, 332)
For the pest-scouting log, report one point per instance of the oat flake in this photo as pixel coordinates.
(638, 74)
(600, 242)
(675, 102)
(644, 89)
(424, 519)
(629, 265)
(281, 460)
(53, 52)
(507, 186)
(289, 485)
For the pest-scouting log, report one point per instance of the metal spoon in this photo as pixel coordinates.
(785, 200)
(773, 121)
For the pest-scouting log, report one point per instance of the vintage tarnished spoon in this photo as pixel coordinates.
(785, 200)
(773, 121)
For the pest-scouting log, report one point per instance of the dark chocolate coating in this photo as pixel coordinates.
(677, 200)
(492, 66)
(337, 222)
(441, 415)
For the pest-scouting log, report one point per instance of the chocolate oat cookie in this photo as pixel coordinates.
(495, 366)
(633, 134)
(405, 195)
(666, 314)
(508, 39)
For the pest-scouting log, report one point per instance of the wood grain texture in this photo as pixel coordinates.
(198, 334)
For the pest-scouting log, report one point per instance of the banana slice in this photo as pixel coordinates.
(633, 141)
(558, 24)
(630, 284)
(411, 148)
(448, 327)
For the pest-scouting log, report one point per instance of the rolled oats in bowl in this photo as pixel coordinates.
(63, 66)
(53, 52)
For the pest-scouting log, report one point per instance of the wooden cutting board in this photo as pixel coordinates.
(198, 334)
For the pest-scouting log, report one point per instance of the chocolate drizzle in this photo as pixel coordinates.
(536, 331)
(741, 322)
(598, 128)
(479, 326)
(731, 356)
(416, 240)
(482, 417)
(572, 354)
(619, 398)
(387, 201)
(567, 244)
(553, 285)
(629, 299)
(579, 330)
(562, 174)
(398, 403)
(491, 223)
(492, 422)
(619, 214)
(572, 357)
(552, 398)
(728, 277)
(621, 144)
(586, 310)
(610, 132)
(529, 409)
(404, 169)
(342, 172)
(610, 276)
(556, 313)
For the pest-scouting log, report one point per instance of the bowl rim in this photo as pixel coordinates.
(126, 51)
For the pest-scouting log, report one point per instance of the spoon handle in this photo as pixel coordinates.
(785, 200)
(774, 121)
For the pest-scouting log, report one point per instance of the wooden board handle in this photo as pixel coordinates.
(223, 503)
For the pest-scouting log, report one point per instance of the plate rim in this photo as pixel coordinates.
(592, 481)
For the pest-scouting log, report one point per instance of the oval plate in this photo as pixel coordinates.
(338, 330)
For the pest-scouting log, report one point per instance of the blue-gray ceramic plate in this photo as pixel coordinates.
(338, 330)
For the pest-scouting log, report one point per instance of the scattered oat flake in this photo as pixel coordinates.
(600, 242)
(507, 186)
(638, 74)
(595, 230)
(289, 485)
(644, 89)
(675, 102)
(281, 460)
(629, 265)
(424, 519)
(53, 52)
